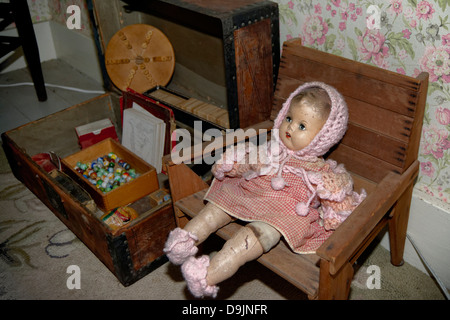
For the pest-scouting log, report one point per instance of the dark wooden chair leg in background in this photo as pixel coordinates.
(27, 37)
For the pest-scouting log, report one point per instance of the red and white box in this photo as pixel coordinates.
(94, 132)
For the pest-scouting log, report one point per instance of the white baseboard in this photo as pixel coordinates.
(429, 228)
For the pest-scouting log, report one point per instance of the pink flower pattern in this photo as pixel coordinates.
(446, 40)
(427, 169)
(396, 6)
(424, 10)
(436, 142)
(315, 30)
(373, 47)
(443, 116)
(406, 33)
(412, 38)
(436, 61)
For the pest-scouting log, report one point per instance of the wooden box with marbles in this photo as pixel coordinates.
(111, 174)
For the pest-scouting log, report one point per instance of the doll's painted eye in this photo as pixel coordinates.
(302, 127)
(288, 119)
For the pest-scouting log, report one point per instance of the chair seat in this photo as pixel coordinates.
(300, 270)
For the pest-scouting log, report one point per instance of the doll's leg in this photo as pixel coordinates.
(209, 220)
(181, 243)
(248, 244)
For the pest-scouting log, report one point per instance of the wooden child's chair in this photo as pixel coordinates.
(380, 150)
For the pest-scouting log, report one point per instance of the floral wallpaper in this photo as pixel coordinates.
(408, 37)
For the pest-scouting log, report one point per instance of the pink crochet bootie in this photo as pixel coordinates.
(180, 246)
(194, 271)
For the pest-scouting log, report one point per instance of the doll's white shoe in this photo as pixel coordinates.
(180, 246)
(194, 272)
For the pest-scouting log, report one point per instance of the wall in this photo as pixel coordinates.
(408, 37)
(56, 40)
(15, 60)
(56, 10)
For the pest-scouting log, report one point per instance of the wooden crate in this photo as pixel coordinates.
(227, 52)
(129, 192)
(379, 150)
(129, 252)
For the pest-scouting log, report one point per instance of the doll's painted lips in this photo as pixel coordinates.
(288, 135)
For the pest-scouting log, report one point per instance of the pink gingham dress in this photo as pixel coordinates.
(256, 200)
(286, 199)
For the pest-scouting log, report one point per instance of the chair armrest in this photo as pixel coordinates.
(345, 241)
(198, 150)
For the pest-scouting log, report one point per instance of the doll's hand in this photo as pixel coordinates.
(332, 185)
(223, 165)
(219, 170)
(228, 164)
(250, 174)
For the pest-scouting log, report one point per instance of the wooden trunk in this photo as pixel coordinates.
(130, 252)
(226, 52)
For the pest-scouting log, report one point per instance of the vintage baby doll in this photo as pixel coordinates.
(291, 192)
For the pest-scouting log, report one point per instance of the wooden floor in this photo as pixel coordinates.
(19, 104)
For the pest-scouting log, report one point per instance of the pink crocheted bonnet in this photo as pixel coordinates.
(333, 129)
(331, 133)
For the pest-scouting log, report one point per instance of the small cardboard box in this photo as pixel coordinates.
(94, 132)
(159, 197)
(144, 184)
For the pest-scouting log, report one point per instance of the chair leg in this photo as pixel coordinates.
(337, 286)
(398, 225)
(29, 45)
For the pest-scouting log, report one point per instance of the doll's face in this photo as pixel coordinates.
(301, 124)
